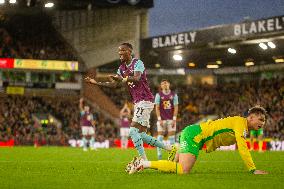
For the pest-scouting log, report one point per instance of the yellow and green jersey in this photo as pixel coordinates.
(225, 132)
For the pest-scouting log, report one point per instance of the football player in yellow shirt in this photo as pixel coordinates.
(221, 132)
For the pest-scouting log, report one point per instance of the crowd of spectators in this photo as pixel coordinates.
(196, 102)
(234, 99)
(32, 37)
(20, 120)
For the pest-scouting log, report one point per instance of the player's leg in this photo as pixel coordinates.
(137, 140)
(171, 127)
(260, 139)
(121, 138)
(134, 131)
(124, 137)
(186, 160)
(184, 166)
(142, 117)
(162, 165)
(92, 140)
(84, 137)
(160, 137)
(252, 133)
(188, 153)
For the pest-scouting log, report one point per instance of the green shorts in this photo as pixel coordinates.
(187, 143)
(256, 132)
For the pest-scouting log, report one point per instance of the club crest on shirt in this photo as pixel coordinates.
(245, 133)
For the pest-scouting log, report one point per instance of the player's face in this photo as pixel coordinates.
(124, 53)
(165, 85)
(86, 108)
(256, 121)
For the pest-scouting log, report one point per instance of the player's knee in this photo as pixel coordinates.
(185, 169)
(133, 131)
(160, 137)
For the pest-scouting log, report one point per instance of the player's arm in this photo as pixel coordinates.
(135, 78)
(81, 104)
(245, 154)
(93, 121)
(110, 84)
(239, 129)
(175, 107)
(157, 106)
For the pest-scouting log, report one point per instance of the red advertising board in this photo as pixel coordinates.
(8, 143)
(6, 63)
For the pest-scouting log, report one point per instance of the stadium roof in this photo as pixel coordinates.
(257, 43)
(75, 4)
(253, 42)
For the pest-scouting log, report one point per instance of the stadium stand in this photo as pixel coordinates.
(32, 37)
(199, 101)
(17, 121)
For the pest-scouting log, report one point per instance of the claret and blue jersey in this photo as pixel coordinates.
(139, 91)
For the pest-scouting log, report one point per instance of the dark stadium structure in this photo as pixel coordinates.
(77, 4)
(209, 46)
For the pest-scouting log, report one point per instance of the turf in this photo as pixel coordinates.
(60, 167)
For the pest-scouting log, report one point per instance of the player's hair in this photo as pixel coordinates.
(128, 45)
(257, 110)
(164, 80)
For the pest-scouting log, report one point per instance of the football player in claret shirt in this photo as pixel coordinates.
(132, 74)
(87, 125)
(166, 110)
(221, 132)
(124, 115)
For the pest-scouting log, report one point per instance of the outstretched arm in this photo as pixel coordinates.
(245, 154)
(111, 84)
(81, 104)
(135, 78)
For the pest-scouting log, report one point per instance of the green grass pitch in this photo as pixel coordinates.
(61, 167)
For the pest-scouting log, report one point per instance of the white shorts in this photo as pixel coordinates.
(166, 125)
(142, 112)
(124, 132)
(88, 130)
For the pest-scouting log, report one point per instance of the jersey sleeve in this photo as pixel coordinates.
(242, 144)
(244, 152)
(176, 99)
(139, 66)
(157, 99)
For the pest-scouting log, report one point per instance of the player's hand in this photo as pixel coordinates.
(260, 172)
(116, 78)
(90, 80)
(174, 123)
(160, 122)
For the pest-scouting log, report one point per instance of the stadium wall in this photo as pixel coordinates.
(96, 34)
